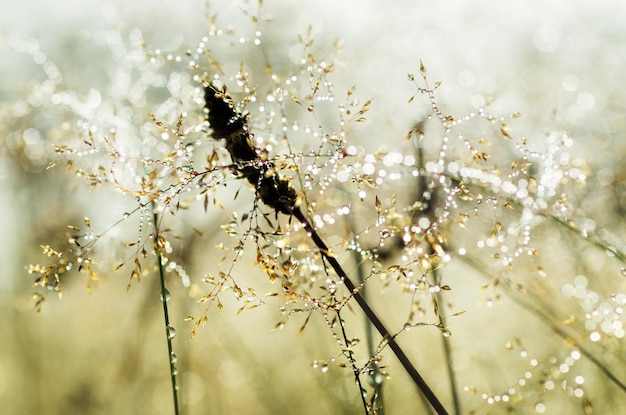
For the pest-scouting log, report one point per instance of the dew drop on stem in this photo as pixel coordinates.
(166, 296)
(171, 332)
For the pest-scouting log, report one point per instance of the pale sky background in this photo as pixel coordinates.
(484, 47)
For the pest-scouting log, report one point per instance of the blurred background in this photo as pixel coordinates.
(100, 349)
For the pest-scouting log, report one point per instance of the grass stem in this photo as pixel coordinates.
(376, 378)
(350, 354)
(165, 296)
(447, 349)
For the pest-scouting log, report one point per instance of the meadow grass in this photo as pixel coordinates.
(458, 246)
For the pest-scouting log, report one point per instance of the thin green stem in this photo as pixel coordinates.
(165, 296)
(376, 379)
(591, 238)
(447, 349)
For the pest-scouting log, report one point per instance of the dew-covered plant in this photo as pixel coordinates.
(421, 236)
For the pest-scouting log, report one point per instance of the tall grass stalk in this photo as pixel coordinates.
(447, 348)
(375, 375)
(170, 332)
(355, 369)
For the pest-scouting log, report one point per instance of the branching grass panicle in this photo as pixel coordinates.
(456, 247)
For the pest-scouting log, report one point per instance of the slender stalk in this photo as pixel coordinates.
(451, 374)
(404, 360)
(592, 238)
(376, 380)
(448, 351)
(165, 296)
(357, 375)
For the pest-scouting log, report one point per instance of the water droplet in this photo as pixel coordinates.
(167, 297)
(171, 332)
(173, 358)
